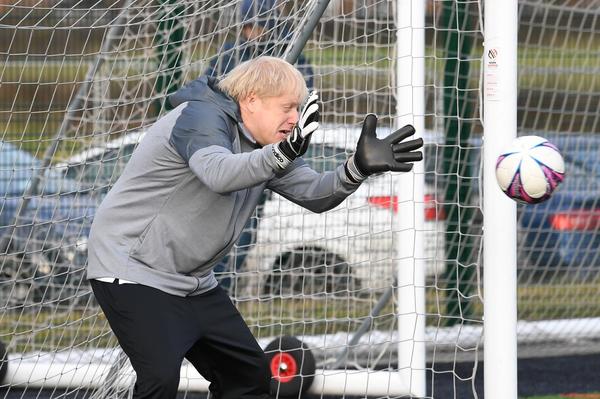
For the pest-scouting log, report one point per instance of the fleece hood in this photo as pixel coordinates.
(205, 89)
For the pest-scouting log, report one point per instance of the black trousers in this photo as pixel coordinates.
(158, 330)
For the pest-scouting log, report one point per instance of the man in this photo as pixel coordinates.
(262, 33)
(183, 199)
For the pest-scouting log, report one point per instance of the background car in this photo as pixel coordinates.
(558, 237)
(562, 233)
(98, 167)
(352, 246)
(46, 245)
(294, 249)
(350, 249)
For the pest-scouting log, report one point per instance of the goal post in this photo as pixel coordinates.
(500, 222)
(410, 109)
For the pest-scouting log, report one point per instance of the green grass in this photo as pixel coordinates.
(39, 91)
(63, 327)
(43, 329)
(567, 396)
(558, 300)
(544, 397)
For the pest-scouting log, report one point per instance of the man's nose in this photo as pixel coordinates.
(294, 117)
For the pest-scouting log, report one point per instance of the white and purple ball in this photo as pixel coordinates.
(530, 169)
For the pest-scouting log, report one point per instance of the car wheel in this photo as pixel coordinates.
(292, 367)
(310, 271)
(3, 362)
(38, 279)
(21, 284)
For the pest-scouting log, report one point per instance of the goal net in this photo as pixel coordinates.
(396, 269)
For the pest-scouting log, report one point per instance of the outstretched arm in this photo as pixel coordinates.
(320, 192)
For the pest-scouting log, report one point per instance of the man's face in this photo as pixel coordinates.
(270, 119)
(253, 32)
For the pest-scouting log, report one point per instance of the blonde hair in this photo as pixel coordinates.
(265, 77)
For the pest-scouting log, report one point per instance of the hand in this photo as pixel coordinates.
(389, 154)
(296, 144)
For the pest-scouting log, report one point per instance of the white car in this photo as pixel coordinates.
(294, 251)
(349, 249)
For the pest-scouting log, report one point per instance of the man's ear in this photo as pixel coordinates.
(249, 103)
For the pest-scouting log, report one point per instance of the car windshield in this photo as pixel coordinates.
(101, 171)
(322, 157)
(17, 169)
(582, 168)
(581, 174)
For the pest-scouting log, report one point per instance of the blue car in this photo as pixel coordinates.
(564, 231)
(46, 246)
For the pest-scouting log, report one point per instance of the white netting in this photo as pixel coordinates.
(82, 80)
(559, 95)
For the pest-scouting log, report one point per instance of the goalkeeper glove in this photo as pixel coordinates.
(296, 144)
(389, 154)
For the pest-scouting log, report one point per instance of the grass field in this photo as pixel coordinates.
(40, 90)
(64, 324)
(567, 396)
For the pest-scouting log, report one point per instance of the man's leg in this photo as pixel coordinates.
(154, 330)
(228, 354)
(203, 362)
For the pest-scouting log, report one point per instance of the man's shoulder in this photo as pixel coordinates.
(203, 118)
(206, 106)
(207, 112)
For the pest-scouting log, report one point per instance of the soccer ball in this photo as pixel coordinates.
(530, 169)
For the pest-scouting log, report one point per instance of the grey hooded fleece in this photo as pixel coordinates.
(187, 192)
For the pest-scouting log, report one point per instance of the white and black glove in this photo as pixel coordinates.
(389, 154)
(296, 144)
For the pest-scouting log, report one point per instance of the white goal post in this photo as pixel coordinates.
(410, 109)
(500, 224)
